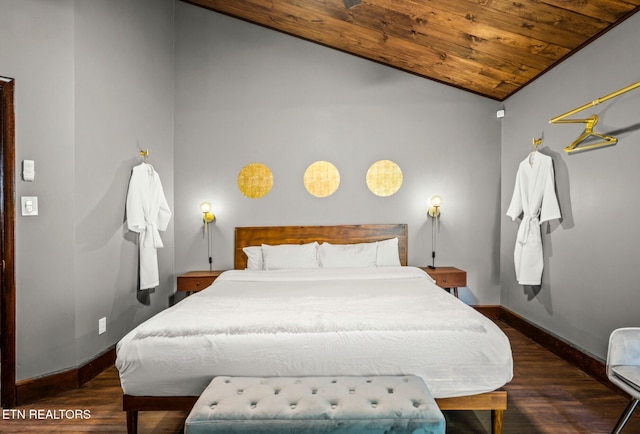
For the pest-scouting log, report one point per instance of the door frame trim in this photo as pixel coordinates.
(7, 237)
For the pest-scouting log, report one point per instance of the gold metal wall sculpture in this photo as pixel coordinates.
(384, 178)
(255, 180)
(321, 179)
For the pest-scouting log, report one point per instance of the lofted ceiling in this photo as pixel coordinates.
(489, 47)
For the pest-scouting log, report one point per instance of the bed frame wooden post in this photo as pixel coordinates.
(132, 405)
(495, 401)
(497, 418)
(132, 421)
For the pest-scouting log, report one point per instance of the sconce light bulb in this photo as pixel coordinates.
(205, 207)
(434, 209)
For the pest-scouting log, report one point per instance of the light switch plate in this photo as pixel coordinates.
(28, 170)
(102, 325)
(29, 205)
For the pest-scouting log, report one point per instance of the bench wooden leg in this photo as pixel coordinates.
(497, 418)
(132, 421)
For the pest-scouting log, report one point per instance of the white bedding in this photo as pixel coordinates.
(367, 321)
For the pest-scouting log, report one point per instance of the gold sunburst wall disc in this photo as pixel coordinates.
(255, 180)
(321, 179)
(384, 178)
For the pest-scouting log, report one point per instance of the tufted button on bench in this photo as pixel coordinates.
(378, 404)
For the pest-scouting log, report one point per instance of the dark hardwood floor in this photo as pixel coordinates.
(547, 395)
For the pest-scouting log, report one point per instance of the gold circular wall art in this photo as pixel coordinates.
(255, 180)
(321, 179)
(384, 178)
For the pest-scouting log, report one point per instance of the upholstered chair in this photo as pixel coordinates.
(623, 368)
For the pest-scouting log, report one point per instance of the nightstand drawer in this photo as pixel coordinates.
(196, 280)
(450, 280)
(448, 277)
(193, 283)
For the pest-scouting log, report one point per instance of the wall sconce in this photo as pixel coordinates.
(434, 213)
(434, 210)
(207, 217)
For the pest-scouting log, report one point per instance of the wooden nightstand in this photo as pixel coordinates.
(194, 281)
(449, 278)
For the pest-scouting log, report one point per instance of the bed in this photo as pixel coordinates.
(360, 311)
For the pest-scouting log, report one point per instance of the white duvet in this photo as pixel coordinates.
(367, 321)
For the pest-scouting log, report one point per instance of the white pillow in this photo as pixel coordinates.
(254, 257)
(286, 256)
(347, 255)
(388, 254)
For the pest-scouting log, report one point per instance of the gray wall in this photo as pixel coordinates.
(37, 49)
(93, 80)
(591, 256)
(123, 100)
(247, 94)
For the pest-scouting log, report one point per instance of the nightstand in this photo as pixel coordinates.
(194, 281)
(449, 278)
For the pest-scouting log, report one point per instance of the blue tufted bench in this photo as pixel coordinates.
(378, 404)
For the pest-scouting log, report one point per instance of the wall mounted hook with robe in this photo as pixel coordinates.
(536, 144)
(144, 154)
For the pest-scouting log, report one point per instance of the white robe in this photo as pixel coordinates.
(147, 213)
(534, 198)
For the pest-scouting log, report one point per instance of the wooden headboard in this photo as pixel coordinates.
(343, 234)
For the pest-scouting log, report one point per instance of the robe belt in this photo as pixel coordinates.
(526, 221)
(152, 236)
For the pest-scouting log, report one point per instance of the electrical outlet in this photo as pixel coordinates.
(102, 325)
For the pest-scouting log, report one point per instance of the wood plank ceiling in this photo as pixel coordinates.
(489, 47)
